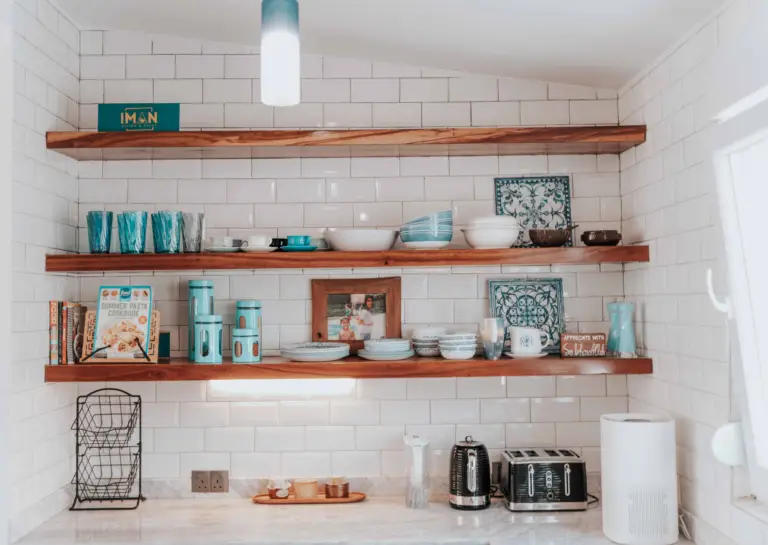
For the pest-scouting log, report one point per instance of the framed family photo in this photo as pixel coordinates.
(354, 311)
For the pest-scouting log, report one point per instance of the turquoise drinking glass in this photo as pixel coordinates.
(99, 231)
(132, 230)
(166, 231)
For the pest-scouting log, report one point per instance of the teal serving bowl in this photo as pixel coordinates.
(443, 236)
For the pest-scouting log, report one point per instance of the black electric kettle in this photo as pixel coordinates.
(470, 476)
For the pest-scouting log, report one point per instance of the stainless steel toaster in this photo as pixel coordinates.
(536, 479)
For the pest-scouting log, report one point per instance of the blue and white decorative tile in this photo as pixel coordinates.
(531, 303)
(537, 202)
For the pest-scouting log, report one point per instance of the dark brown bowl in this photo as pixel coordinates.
(549, 238)
(601, 238)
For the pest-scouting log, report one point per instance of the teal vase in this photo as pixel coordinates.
(621, 338)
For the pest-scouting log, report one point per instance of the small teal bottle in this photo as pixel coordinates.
(245, 346)
(208, 342)
(200, 303)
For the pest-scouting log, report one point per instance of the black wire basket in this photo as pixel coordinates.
(107, 451)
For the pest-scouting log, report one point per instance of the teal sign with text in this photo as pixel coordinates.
(138, 117)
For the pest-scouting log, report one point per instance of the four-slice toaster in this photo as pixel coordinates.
(536, 479)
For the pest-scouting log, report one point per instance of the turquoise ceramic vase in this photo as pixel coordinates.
(621, 338)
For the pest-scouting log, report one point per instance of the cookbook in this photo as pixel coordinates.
(123, 317)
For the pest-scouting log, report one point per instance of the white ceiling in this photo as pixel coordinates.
(602, 43)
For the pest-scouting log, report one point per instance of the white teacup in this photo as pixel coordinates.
(257, 241)
(527, 340)
(220, 242)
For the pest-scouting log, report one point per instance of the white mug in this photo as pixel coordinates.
(220, 242)
(527, 340)
(257, 241)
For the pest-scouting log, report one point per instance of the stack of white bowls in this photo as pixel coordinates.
(458, 346)
(492, 232)
(386, 350)
(426, 341)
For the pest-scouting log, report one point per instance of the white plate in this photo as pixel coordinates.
(223, 249)
(426, 245)
(314, 357)
(384, 356)
(525, 356)
(259, 250)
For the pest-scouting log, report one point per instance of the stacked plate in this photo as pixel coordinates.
(316, 351)
(458, 346)
(426, 341)
(428, 232)
(492, 232)
(386, 350)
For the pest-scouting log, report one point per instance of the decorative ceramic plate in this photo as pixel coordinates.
(537, 203)
(384, 356)
(534, 303)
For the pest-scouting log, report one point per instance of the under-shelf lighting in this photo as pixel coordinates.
(280, 53)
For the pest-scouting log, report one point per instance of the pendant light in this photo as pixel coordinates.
(280, 53)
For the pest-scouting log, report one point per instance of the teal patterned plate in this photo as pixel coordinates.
(542, 202)
(530, 303)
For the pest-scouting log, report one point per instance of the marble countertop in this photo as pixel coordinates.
(376, 520)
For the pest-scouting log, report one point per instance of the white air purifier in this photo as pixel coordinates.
(639, 479)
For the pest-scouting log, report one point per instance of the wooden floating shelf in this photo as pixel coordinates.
(351, 367)
(347, 143)
(342, 260)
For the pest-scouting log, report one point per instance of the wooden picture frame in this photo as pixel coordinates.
(364, 319)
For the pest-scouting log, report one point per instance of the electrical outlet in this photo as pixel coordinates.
(201, 481)
(220, 481)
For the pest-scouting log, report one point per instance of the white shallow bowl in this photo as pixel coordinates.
(459, 335)
(387, 345)
(427, 245)
(384, 356)
(458, 354)
(360, 240)
(492, 238)
(429, 333)
(428, 352)
(425, 344)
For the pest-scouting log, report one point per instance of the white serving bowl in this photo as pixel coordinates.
(492, 238)
(458, 354)
(360, 240)
(429, 333)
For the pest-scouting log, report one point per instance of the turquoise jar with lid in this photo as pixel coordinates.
(200, 303)
(208, 339)
(248, 316)
(245, 346)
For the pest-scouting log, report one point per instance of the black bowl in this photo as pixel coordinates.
(601, 238)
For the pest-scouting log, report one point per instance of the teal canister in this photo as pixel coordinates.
(245, 346)
(200, 303)
(248, 316)
(208, 339)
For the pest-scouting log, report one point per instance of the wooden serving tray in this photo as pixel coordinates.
(264, 499)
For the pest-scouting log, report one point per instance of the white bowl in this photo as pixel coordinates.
(387, 345)
(360, 240)
(427, 245)
(427, 352)
(429, 333)
(458, 354)
(492, 238)
(458, 335)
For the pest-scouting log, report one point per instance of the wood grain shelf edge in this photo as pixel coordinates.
(352, 367)
(332, 259)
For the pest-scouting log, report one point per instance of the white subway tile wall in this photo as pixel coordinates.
(45, 216)
(668, 201)
(352, 427)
